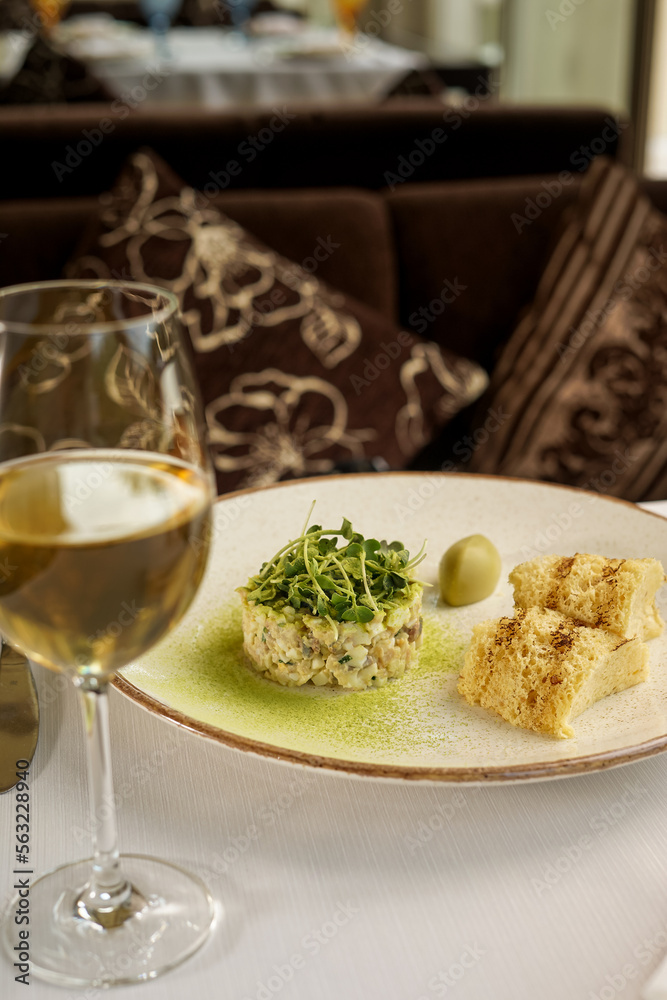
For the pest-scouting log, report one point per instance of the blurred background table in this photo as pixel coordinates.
(217, 67)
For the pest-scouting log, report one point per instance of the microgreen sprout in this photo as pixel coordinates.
(353, 583)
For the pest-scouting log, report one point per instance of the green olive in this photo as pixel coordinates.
(469, 571)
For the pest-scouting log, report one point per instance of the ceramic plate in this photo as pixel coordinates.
(417, 727)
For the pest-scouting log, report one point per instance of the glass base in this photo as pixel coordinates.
(173, 918)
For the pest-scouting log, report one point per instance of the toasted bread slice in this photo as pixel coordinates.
(613, 594)
(540, 669)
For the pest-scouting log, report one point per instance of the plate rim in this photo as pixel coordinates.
(584, 764)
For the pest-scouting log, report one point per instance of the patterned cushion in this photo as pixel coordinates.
(582, 382)
(295, 376)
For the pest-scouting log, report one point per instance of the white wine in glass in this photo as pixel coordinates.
(105, 501)
(132, 549)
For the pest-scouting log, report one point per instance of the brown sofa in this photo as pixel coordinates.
(453, 246)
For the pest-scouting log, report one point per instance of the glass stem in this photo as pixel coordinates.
(106, 899)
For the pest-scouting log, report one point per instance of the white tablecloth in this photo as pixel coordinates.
(337, 888)
(218, 68)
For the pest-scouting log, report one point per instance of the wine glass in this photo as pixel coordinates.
(347, 14)
(50, 12)
(105, 506)
(158, 15)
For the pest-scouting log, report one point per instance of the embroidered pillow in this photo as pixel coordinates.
(295, 376)
(583, 378)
